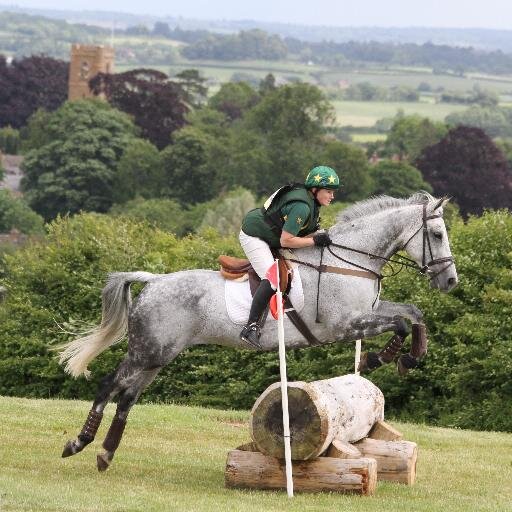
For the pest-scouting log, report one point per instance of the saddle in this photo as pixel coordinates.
(241, 269)
(232, 268)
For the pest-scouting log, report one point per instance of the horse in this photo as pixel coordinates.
(187, 308)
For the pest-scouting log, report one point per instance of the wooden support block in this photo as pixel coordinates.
(396, 460)
(253, 470)
(343, 450)
(248, 447)
(385, 432)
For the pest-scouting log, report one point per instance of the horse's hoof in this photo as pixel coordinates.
(369, 361)
(102, 461)
(69, 449)
(405, 363)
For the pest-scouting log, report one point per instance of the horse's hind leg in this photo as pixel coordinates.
(139, 381)
(109, 387)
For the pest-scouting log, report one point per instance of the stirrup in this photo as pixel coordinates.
(251, 335)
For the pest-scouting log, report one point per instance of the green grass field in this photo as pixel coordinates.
(366, 113)
(172, 458)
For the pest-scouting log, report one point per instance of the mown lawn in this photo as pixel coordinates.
(172, 458)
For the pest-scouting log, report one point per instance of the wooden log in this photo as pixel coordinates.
(385, 432)
(343, 450)
(396, 460)
(253, 470)
(343, 408)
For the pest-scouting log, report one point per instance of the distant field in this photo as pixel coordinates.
(363, 138)
(366, 113)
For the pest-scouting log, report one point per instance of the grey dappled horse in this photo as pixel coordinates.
(179, 310)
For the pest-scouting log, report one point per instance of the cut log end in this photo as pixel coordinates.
(308, 428)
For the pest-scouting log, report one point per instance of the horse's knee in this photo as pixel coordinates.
(416, 313)
(401, 326)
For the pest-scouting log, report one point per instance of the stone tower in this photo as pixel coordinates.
(86, 62)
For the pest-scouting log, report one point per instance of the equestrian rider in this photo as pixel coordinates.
(286, 220)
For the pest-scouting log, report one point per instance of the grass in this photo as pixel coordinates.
(173, 458)
(366, 113)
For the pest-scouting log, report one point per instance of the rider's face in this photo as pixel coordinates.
(324, 196)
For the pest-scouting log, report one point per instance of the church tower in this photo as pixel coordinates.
(86, 62)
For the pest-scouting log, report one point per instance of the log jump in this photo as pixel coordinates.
(339, 440)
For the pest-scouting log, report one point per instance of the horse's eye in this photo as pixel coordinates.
(438, 235)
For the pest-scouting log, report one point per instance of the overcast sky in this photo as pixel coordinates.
(385, 13)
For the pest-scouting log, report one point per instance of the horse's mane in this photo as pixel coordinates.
(379, 203)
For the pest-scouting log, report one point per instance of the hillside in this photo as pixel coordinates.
(173, 458)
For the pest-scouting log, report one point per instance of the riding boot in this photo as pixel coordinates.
(252, 330)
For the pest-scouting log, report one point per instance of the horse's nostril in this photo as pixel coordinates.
(452, 281)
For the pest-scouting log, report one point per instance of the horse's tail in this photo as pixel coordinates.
(116, 300)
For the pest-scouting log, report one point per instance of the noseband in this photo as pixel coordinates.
(425, 266)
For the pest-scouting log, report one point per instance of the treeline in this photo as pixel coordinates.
(21, 34)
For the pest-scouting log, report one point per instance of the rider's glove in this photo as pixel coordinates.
(322, 239)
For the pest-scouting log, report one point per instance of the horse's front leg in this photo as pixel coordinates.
(419, 333)
(391, 316)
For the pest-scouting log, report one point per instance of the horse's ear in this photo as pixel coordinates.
(441, 203)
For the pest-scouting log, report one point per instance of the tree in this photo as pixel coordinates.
(158, 105)
(352, 167)
(139, 172)
(161, 29)
(15, 214)
(234, 99)
(76, 169)
(28, 84)
(467, 165)
(189, 178)
(409, 135)
(193, 86)
(397, 179)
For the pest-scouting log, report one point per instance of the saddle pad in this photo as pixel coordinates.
(238, 298)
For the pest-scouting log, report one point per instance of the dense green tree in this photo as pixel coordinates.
(409, 135)
(193, 85)
(189, 177)
(351, 165)
(234, 99)
(397, 179)
(16, 214)
(76, 169)
(9, 140)
(495, 121)
(468, 166)
(28, 84)
(139, 172)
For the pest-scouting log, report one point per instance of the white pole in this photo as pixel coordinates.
(284, 388)
(358, 356)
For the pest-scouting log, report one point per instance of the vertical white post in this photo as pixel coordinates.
(358, 357)
(284, 388)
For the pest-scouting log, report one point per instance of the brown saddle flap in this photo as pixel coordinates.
(234, 265)
(235, 268)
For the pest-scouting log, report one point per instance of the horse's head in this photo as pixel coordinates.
(427, 243)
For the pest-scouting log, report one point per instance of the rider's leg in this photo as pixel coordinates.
(259, 254)
(251, 331)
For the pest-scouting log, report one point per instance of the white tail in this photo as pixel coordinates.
(116, 302)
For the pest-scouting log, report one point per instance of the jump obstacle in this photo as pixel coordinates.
(339, 440)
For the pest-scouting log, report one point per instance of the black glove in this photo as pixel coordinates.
(322, 239)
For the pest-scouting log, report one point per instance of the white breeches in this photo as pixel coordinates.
(257, 252)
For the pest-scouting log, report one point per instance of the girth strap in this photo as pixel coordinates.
(339, 270)
(299, 324)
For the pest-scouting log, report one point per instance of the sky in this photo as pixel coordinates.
(384, 13)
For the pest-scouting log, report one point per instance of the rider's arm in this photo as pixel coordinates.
(296, 216)
(295, 242)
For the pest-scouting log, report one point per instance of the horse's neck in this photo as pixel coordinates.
(380, 234)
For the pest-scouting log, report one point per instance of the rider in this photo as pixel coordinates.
(286, 220)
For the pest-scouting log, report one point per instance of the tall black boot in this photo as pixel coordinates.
(252, 331)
